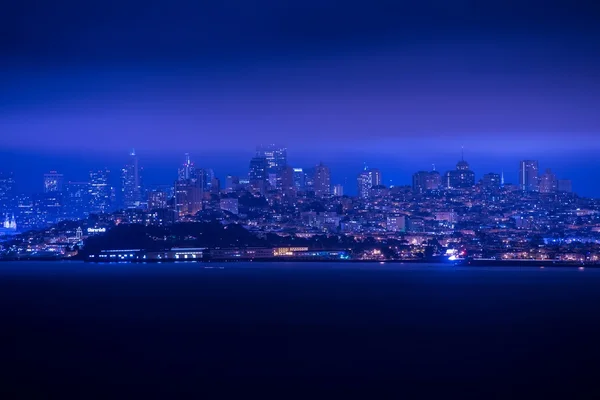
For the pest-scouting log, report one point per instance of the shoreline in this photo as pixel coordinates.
(461, 263)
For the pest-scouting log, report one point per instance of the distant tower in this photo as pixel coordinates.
(78, 233)
(502, 179)
(529, 176)
(132, 187)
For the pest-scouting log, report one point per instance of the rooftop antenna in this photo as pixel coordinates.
(462, 153)
(433, 166)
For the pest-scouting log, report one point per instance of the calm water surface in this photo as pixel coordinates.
(175, 329)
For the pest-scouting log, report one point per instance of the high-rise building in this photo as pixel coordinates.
(232, 183)
(528, 176)
(565, 185)
(491, 181)
(188, 198)
(131, 182)
(366, 180)
(276, 157)
(258, 174)
(299, 179)
(100, 191)
(426, 180)
(7, 192)
(322, 180)
(53, 182)
(338, 190)
(157, 199)
(460, 178)
(77, 200)
(288, 186)
(548, 182)
(187, 170)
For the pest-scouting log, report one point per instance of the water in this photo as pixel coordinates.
(170, 329)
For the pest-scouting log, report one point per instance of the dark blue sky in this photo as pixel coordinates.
(392, 82)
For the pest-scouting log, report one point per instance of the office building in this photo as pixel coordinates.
(287, 183)
(131, 183)
(366, 180)
(322, 180)
(338, 190)
(188, 198)
(100, 192)
(276, 157)
(528, 176)
(491, 181)
(77, 200)
(187, 170)
(426, 180)
(299, 179)
(258, 174)
(53, 182)
(548, 182)
(7, 192)
(396, 223)
(232, 183)
(157, 199)
(460, 178)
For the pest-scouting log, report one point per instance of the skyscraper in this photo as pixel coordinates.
(528, 176)
(131, 182)
(100, 192)
(548, 182)
(366, 180)
(187, 170)
(299, 179)
(338, 190)
(322, 180)
(7, 192)
(288, 186)
(491, 181)
(188, 198)
(276, 157)
(257, 175)
(53, 182)
(460, 178)
(426, 180)
(77, 200)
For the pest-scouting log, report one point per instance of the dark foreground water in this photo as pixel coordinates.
(172, 330)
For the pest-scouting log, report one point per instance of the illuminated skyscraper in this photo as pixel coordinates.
(276, 157)
(7, 192)
(131, 183)
(529, 176)
(366, 180)
(187, 170)
(460, 178)
(100, 192)
(188, 198)
(338, 190)
(548, 182)
(322, 182)
(299, 179)
(53, 182)
(257, 175)
(157, 199)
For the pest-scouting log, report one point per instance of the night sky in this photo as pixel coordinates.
(398, 85)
